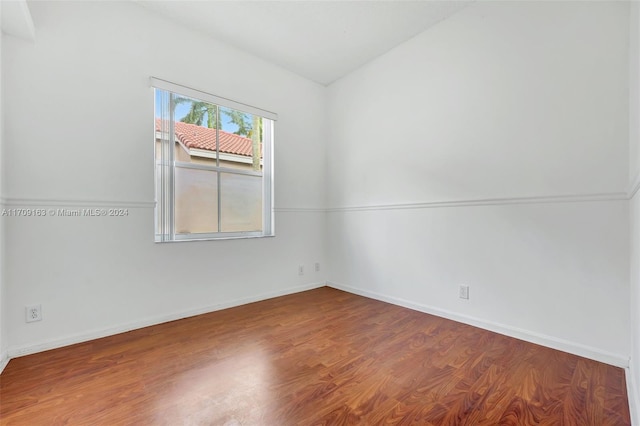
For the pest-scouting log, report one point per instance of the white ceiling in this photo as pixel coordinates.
(319, 40)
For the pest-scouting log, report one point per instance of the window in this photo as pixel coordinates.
(213, 166)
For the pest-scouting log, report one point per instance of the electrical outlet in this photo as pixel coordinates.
(301, 270)
(317, 266)
(464, 292)
(33, 313)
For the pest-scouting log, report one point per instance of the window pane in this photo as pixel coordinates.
(159, 199)
(196, 203)
(196, 125)
(240, 144)
(162, 120)
(241, 202)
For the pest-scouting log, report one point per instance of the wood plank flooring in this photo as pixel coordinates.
(321, 357)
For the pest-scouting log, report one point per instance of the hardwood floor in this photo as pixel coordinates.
(322, 357)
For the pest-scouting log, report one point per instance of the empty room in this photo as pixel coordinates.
(319, 212)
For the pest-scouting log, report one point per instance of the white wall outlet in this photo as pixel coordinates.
(301, 270)
(464, 292)
(317, 266)
(33, 313)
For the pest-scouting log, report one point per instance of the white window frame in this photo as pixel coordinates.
(164, 212)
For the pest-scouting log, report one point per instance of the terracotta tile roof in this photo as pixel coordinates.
(198, 137)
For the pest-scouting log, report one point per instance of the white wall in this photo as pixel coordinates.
(503, 101)
(78, 116)
(634, 169)
(3, 340)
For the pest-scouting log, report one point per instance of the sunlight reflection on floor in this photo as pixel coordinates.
(229, 392)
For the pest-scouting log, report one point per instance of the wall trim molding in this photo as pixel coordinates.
(18, 351)
(88, 203)
(518, 333)
(545, 199)
(300, 210)
(570, 198)
(66, 202)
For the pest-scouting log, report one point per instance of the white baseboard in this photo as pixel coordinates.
(632, 395)
(18, 351)
(4, 360)
(507, 330)
(537, 338)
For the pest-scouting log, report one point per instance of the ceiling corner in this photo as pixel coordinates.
(16, 19)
